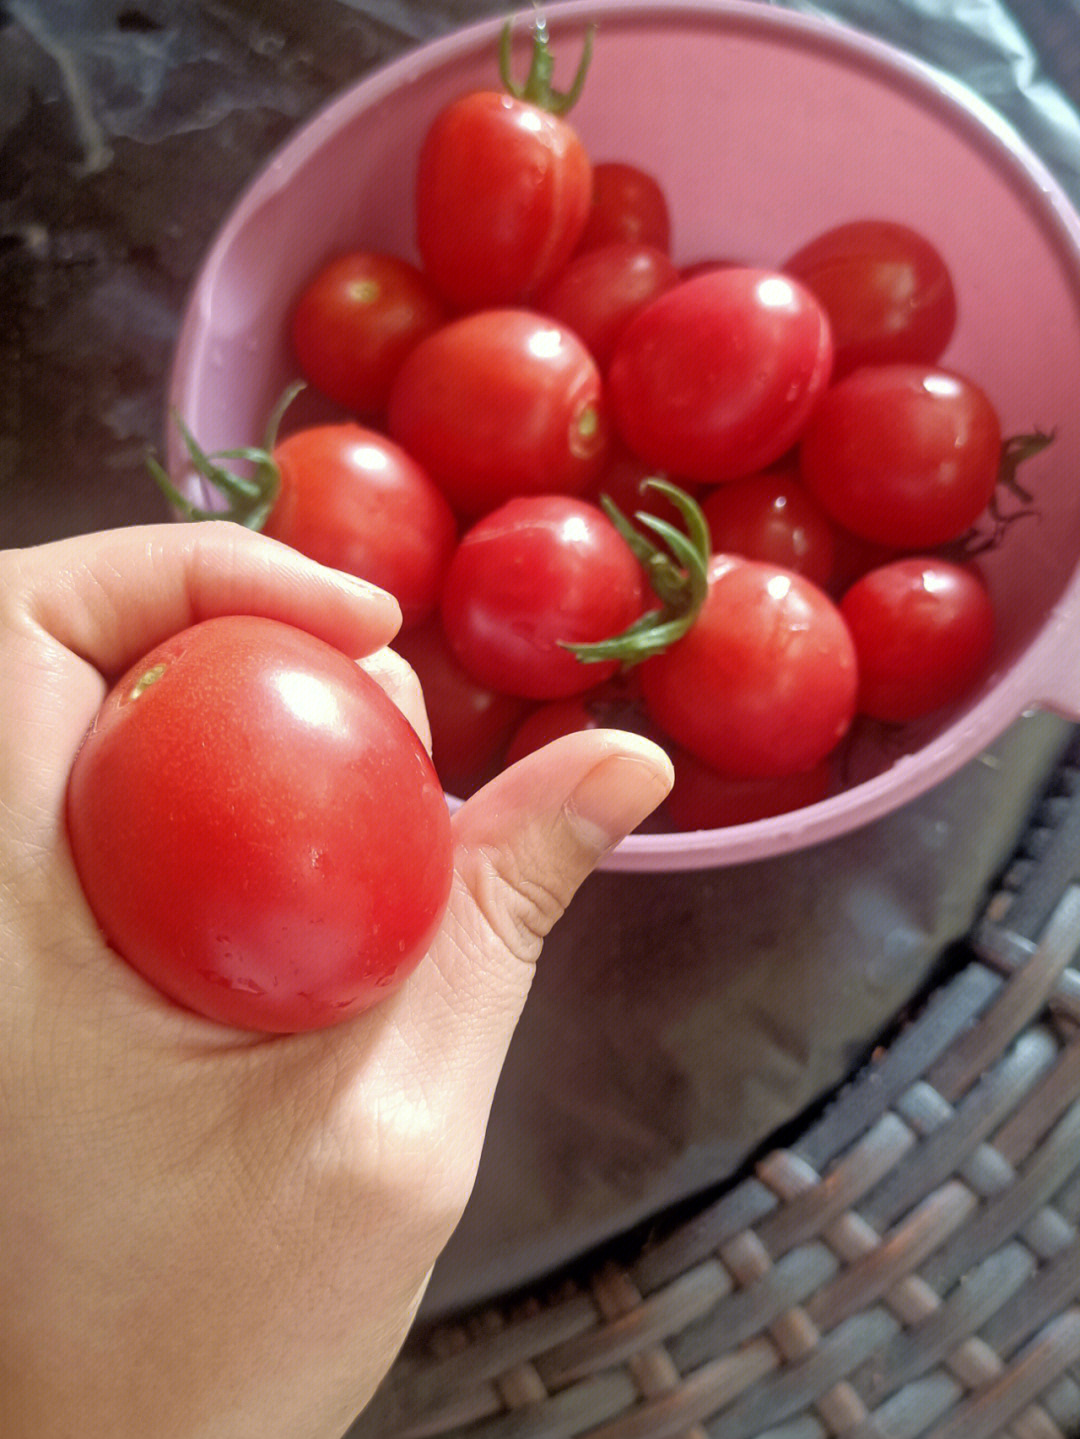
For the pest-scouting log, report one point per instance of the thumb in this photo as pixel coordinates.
(523, 845)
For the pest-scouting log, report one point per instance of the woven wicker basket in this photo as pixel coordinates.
(908, 1267)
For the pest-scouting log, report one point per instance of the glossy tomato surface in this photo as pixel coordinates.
(257, 828)
(356, 321)
(716, 378)
(502, 195)
(886, 290)
(501, 403)
(772, 517)
(703, 799)
(535, 575)
(923, 630)
(764, 683)
(600, 291)
(470, 722)
(628, 204)
(903, 455)
(352, 499)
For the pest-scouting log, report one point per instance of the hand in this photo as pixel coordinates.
(206, 1232)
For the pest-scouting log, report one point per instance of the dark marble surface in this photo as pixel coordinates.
(675, 1022)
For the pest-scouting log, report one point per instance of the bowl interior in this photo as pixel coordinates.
(764, 127)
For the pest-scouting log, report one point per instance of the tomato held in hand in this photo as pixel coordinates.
(352, 499)
(716, 378)
(904, 455)
(763, 683)
(503, 188)
(539, 573)
(924, 631)
(257, 828)
(356, 321)
(886, 290)
(501, 403)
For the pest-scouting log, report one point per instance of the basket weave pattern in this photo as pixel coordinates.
(908, 1268)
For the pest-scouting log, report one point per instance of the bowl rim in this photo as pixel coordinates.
(1035, 678)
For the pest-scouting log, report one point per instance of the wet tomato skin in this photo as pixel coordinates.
(924, 632)
(502, 196)
(902, 455)
(538, 573)
(501, 403)
(764, 682)
(257, 828)
(716, 378)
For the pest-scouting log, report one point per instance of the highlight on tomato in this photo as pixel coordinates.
(257, 828)
(503, 184)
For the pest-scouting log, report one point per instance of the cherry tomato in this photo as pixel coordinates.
(352, 499)
(627, 204)
(715, 378)
(703, 799)
(923, 630)
(608, 706)
(904, 455)
(771, 517)
(356, 321)
(257, 828)
(763, 684)
(470, 722)
(501, 403)
(621, 479)
(886, 290)
(502, 195)
(551, 721)
(600, 290)
(540, 572)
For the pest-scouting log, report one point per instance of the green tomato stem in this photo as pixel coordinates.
(537, 88)
(678, 574)
(249, 500)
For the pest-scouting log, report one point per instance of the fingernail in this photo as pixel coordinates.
(617, 794)
(372, 594)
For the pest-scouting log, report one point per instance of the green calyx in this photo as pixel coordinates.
(677, 572)
(248, 498)
(537, 88)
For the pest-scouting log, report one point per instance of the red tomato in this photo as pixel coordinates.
(608, 706)
(904, 455)
(355, 323)
(763, 684)
(703, 799)
(258, 829)
(716, 378)
(502, 195)
(600, 291)
(621, 479)
(923, 630)
(501, 403)
(550, 722)
(886, 290)
(352, 499)
(538, 573)
(470, 722)
(771, 517)
(627, 204)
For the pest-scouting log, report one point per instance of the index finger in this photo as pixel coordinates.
(110, 597)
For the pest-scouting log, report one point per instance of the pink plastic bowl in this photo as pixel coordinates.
(765, 127)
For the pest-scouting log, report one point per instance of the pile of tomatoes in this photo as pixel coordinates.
(803, 563)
